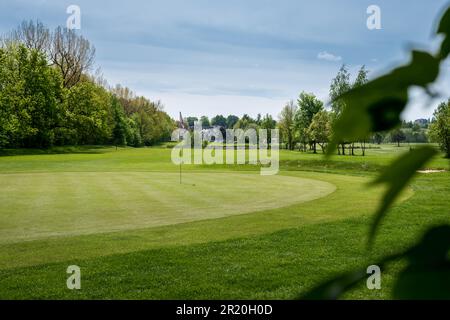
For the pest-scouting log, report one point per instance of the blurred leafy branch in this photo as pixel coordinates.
(377, 106)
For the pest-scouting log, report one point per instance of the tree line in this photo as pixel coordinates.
(307, 124)
(233, 122)
(48, 97)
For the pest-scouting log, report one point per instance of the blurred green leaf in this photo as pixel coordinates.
(444, 28)
(396, 176)
(427, 275)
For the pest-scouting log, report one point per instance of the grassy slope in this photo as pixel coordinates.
(272, 254)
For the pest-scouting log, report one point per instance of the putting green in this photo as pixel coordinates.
(40, 205)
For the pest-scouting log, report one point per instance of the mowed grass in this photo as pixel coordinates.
(41, 205)
(273, 252)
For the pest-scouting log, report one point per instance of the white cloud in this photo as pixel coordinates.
(324, 55)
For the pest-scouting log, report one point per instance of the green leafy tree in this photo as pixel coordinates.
(30, 97)
(339, 85)
(320, 129)
(88, 113)
(378, 137)
(286, 123)
(191, 121)
(204, 120)
(231, 121)
(308, 106)
(361, 79)
(121, 128)
(246, 122)
(267, 122)
(219, 120)
(439, 130)
(398, 136)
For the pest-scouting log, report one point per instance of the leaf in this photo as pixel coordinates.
(397, 175)
(377, 105)
(444, 28)
(427, 275)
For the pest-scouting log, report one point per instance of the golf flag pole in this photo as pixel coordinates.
(181, 162)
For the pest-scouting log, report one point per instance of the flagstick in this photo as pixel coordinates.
(181, 162)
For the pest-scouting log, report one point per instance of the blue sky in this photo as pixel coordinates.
(235, 57)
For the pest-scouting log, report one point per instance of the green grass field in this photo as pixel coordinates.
(225, 232)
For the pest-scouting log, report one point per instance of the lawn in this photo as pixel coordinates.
(225, 232)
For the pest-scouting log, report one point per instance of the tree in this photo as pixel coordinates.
(308, 106)
(204, 120)
(30, 97)
(320, 129)
(153, 123)
(398, 136)
(245, 122)
(258, 119)
(267, 122)
(121, 129)
(361, 77)
(42, 104)
(360, 80)
(89, 114)
(439, 130)
(71, 54)
(33, 35)
(378, 137)
(191, 121)
(219, 120)
(231, 121)
(286, 123)
(339, 85)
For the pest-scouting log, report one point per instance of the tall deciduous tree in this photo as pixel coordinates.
(71, 54)
(231, 121)
(286, 123)
(121, 128)
(219, 120)
(308, 106)
(397, 135)
(204, 120)
(30, 96)
(320, 129)
(339, 85)
(440, 127)
(32, 34)
(360, 80)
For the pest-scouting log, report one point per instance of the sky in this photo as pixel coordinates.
(208, 57)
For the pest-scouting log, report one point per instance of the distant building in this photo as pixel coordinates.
(421, 122)
(211, 134)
